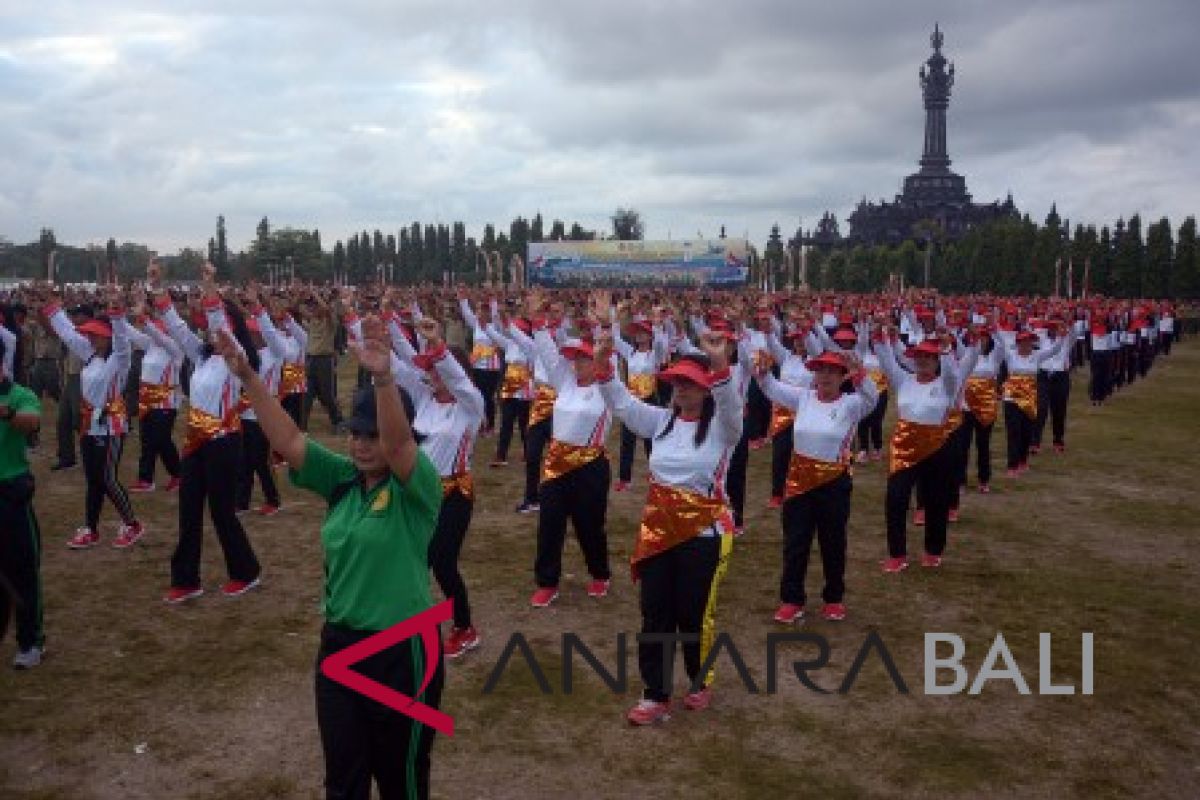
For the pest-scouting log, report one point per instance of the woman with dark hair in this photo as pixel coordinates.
(1021, 395)
(817, 492)
(103, 347)
(212, 449)
(685, 534)
(273, 351)
(921, 455)
(981, 398)
(449, 411)
(485, 358)
(383, 502)
(793, 372)
(642, 359)
(157, 398)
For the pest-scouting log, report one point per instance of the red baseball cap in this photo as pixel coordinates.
(95, 327)
(687, 370)
(826, 359)
(927, 347)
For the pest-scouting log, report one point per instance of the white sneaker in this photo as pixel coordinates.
(28, 659)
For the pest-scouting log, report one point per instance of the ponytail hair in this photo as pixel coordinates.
(241, 332)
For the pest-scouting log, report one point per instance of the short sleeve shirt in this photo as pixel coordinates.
(376, 540)
(13, 458)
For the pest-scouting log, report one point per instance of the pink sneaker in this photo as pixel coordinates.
(1060, 448)
(129, 534)
(739, 530)
(953, 517)
(268, 510)
(648, 712)
(833, 612)
(181, 594)
(931, 561)
(460, 641)
(789, 613)
(544, 596)
(173, 485)
(142, 486)
(621, 486)
(894, 565)
(83, 539)
(599, 588)
(1013, 473)
(237, 588)
(919, 517)
(775, 502)
(985, 489)
(698, 700)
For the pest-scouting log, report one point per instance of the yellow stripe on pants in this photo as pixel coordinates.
(708, 632)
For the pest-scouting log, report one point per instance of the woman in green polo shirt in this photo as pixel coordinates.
(383, 505)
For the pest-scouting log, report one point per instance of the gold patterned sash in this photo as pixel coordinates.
(542, 407)
(202, 427)
(880, 379)
(781, 420)
(483, 352)
(673, 516)
(114, 409)
(292, 380)
(806, 473)
(460, 482)
(562, 458)
(153, 396)
(913, 442)
(642, 385)
(981, 397)
(1022, 390)
(516, 382)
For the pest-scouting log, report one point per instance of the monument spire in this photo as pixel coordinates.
(936, 81)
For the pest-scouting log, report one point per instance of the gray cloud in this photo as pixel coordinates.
(144, 120)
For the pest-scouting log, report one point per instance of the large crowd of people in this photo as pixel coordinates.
(696, 380)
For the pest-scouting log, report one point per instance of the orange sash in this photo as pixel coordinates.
(543, 404)
(912, 443)
(805, 474)
(781, 420)
(516, 382)
(880, 379)
(153, 396)
(202, 426)
(673, 516)
(462, 482)
(1022, 390)
(642, 385)
(981, 397)
(762, 361)
(292, 380)
(562, 458)
(953, 420)
(483, 352)
(114, 409)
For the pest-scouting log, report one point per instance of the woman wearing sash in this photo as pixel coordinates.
(274, 351)
(1021, 396)
(212, 449)
(817, 492)
(683, 541)
(293, 379)
(103, 347)
(576, 472)
(920, 455)
(642, 359)
(516, 389)
(870, 430)
(448, 413)
(981, 400)
(484, 358)
(793, 371)
(158, 400)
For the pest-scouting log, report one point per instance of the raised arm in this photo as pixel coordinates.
(778, 392)
(75, 341)
(776, 349)
(10, 349)
(164, 341)
(643, 419)
(299, 334)
(277, 425)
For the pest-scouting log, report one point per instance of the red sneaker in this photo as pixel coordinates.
(83, 539)
(238, 588)
(1034, 449)
(142, 486)
(497, 463)
(860, 457)
(876, 455)
(739, 530)
(698, 700)
(931, 561)
(598, 588)
(544, 596)
(985, 489)
(919, 517)
(181, 594)
(128, 535)
(894, 565)
(833, 612)
(953, 517)
(460, 641)
(173, 485)
(1060, 448)
(758, 444)
(789, 613)
(268, 510)
(648, 712)
(1023, 467)
(1013, 473)
(775, 502)
(621, 486)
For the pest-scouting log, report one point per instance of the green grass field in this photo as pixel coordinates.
(214, 700)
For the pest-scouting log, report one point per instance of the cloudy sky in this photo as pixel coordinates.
(145, 120)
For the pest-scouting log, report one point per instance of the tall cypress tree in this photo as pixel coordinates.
(1159, 256)
(1185, 277)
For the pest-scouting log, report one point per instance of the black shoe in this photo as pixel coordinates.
(57, 465)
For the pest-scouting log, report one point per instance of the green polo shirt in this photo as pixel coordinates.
(376, 541)
(14, 460)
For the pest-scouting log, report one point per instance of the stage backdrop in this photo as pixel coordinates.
(677, 263)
